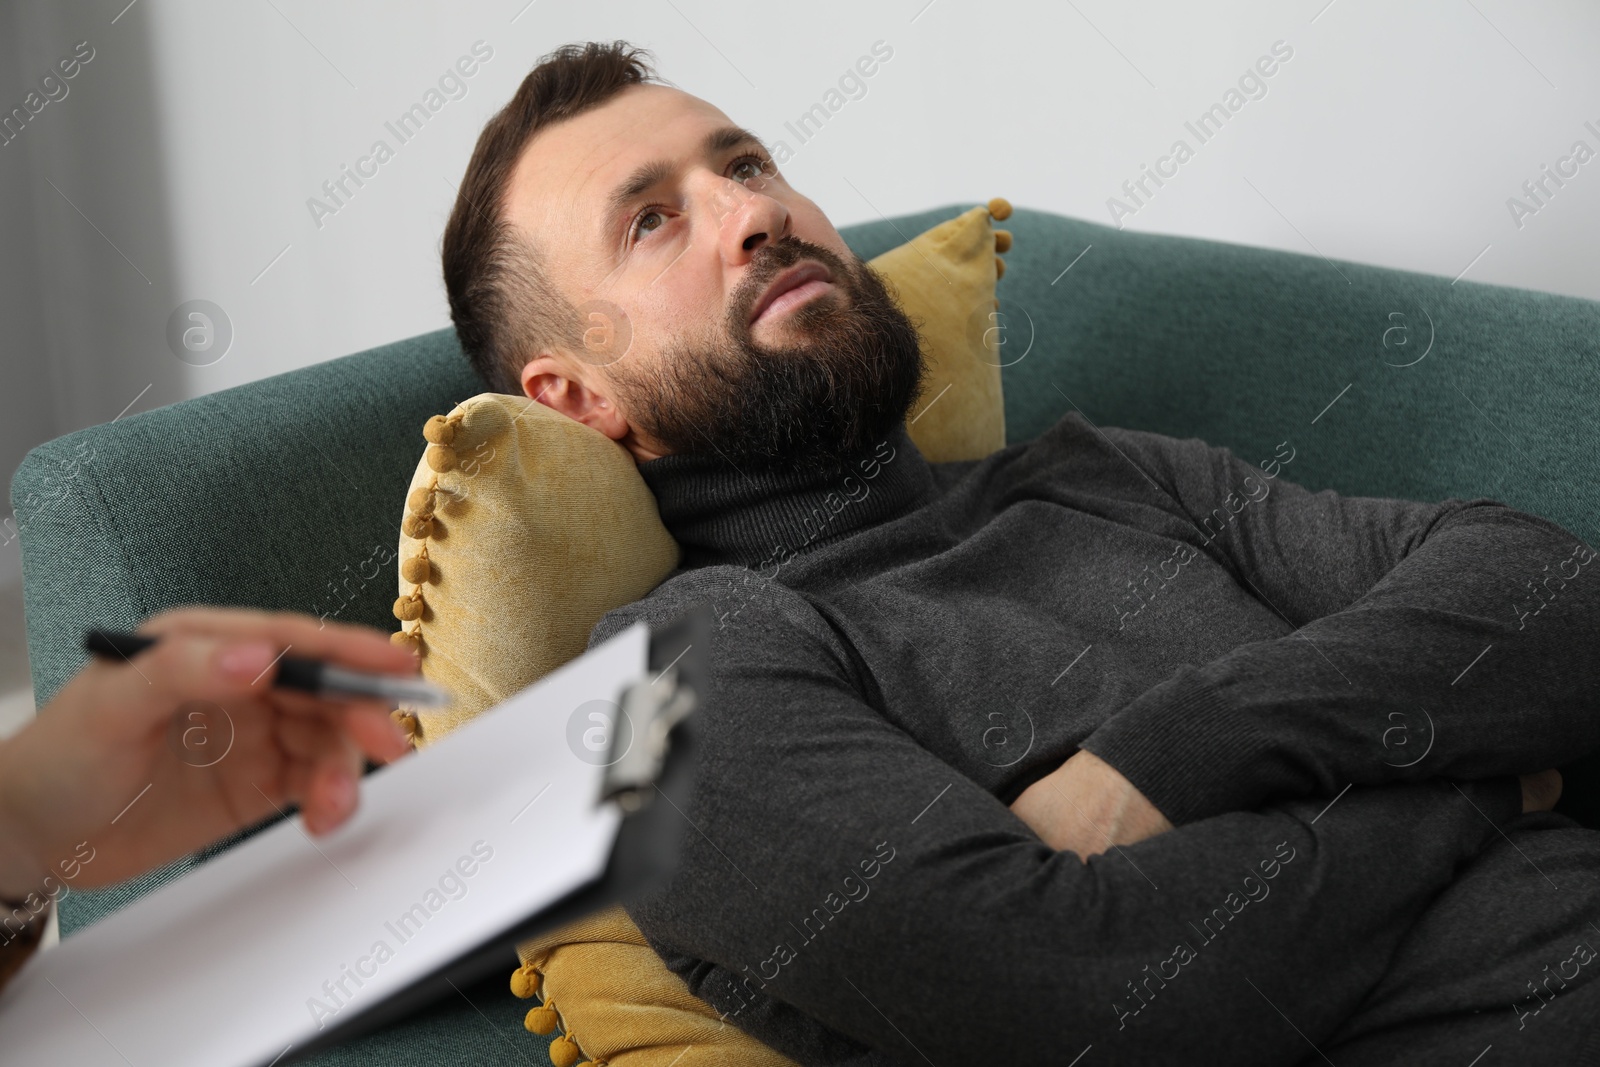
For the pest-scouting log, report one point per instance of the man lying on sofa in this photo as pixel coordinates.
(1040, 817)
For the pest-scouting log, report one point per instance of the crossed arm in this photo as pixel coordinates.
(1087, 807)
(842, 887)
(1457, 639)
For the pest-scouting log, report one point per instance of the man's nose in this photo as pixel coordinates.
(747, 219)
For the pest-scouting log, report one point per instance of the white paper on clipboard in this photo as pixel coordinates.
(258, 950)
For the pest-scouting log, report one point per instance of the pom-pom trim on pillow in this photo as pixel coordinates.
(417, 523)
(543, 1018)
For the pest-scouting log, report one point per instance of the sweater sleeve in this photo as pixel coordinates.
(1459, 638)
(825, 850)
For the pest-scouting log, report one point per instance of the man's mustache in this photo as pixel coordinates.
(767, 263)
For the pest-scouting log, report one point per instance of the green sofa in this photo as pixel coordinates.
(1385, 383)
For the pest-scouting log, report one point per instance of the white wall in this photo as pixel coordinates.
(192, 141)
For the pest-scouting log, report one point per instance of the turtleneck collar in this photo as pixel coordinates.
(719, 514)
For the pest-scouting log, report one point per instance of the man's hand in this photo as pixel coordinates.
(1086, 806)
(136, 763)
(1540, 791)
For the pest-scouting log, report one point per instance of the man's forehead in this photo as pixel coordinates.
(565, 175)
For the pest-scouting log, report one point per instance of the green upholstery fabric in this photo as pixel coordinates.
(276, 493)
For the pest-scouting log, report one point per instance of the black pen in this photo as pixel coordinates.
(296, 672)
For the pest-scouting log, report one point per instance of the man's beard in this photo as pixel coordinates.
(843, 385)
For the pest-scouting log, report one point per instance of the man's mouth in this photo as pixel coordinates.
(791, 288)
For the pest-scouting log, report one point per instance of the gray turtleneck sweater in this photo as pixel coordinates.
(1325, 694)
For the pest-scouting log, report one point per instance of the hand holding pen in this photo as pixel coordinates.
(145, 758)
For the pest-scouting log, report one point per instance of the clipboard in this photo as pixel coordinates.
(499, 831)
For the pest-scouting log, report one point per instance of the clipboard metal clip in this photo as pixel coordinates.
(653, 709)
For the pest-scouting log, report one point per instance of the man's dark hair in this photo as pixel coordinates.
(501, 300)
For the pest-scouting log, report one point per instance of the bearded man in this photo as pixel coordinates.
(1192, 849)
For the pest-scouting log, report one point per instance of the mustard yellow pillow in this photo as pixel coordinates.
(522, 528)
(944, 279)
(620, 1004)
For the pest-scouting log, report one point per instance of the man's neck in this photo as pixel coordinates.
(719, 513)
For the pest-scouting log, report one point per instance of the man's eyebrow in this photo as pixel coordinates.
(648, 175)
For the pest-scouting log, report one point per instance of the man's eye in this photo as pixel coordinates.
(758, 162)
(638, 221)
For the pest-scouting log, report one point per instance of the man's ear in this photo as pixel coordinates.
(556, 384)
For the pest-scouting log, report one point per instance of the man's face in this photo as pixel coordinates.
(667, 227)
